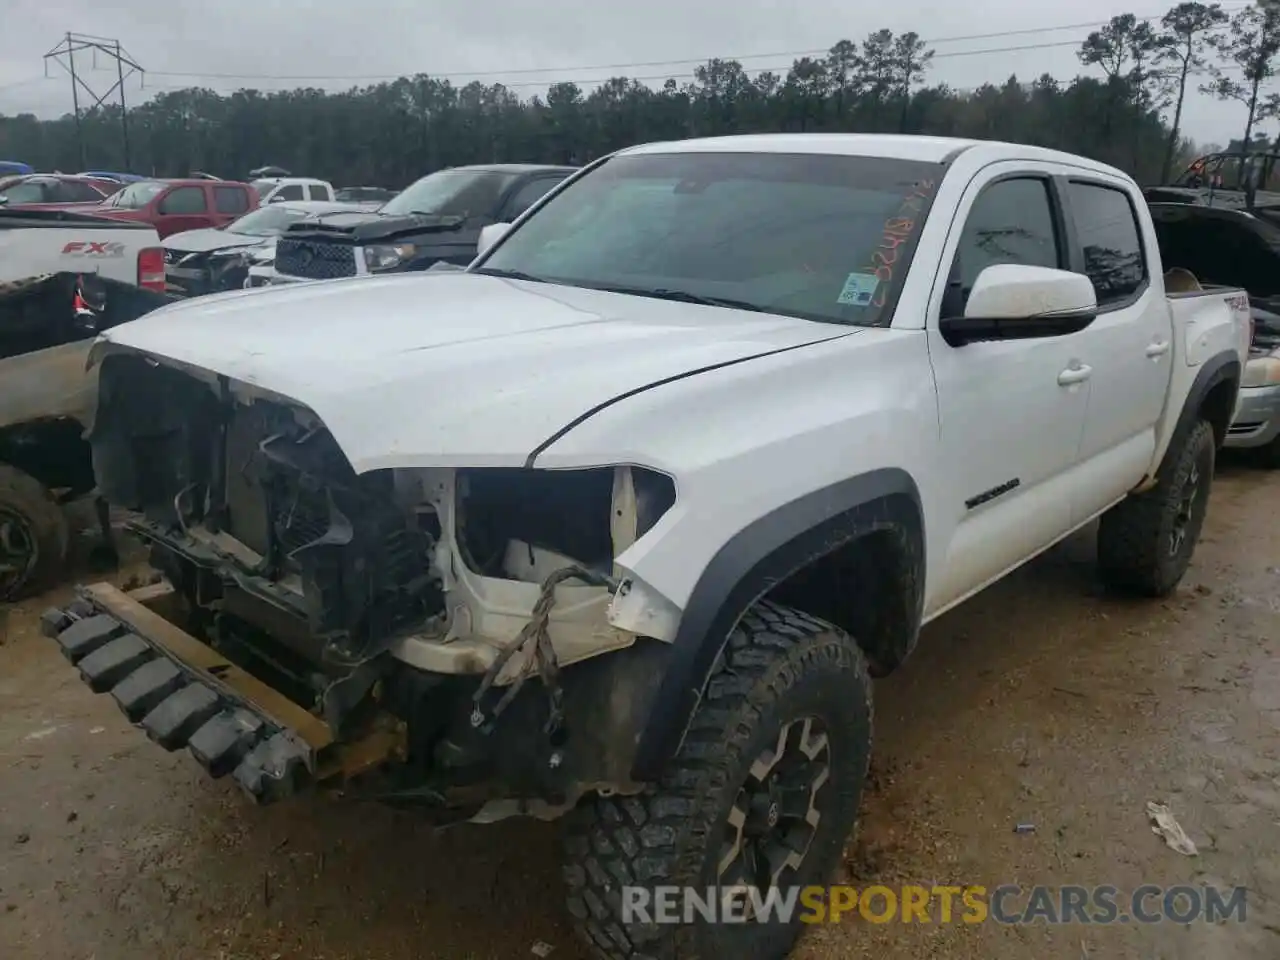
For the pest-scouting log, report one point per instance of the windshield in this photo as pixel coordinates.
(263, 186)
(452, 193)
(267, 221)
(136, 195)
(821, 237)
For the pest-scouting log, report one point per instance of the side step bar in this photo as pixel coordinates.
(183, 693)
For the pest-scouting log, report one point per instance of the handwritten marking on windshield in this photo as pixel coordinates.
(897, 230)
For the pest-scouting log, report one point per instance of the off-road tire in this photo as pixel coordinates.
(779, 665)
(1134, 537)
(45, 523)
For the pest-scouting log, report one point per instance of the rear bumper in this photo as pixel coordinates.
(1257, 419)
(183, 693)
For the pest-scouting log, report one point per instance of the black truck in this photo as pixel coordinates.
(437, 219)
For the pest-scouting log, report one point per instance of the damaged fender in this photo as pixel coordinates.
(759, 557)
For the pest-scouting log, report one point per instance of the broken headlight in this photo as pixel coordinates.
(507, 517)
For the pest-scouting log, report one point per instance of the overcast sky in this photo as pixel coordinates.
(227, 44)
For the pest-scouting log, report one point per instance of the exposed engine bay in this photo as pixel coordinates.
(401, 591)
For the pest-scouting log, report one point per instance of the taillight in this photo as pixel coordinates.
(151, 268)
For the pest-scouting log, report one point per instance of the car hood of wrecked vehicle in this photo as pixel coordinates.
(449, 370)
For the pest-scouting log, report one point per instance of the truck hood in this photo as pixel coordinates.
(202, 241)
(449, 369)
(360, 227)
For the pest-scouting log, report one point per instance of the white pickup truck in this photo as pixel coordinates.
(46, 394)
(39, 243)
(621, 521)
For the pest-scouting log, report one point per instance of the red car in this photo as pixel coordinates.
(43, 189)
(172, 206)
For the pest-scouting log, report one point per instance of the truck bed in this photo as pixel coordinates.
(41, 242)
(47, 384)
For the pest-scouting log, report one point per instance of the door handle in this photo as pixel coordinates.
(1073, 375)
(1157, 349)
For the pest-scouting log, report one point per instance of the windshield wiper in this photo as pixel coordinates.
(510, 274)
(685, 296)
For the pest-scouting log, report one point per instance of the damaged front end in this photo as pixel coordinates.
(411, 602)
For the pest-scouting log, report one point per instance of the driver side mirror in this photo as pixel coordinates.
(275, 198)
(1016, 302)
(3, 199)
(490, 235)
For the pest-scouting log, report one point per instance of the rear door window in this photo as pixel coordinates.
(1107, 227)
(230, 199)
(28, 191)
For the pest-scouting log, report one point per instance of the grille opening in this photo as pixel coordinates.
(315, 259)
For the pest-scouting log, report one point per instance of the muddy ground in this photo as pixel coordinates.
(1040, 702)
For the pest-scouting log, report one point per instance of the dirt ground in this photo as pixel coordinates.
(1040, 702)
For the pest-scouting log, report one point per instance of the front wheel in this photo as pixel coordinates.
(1145, 542)
(33, 535)
(761, 797)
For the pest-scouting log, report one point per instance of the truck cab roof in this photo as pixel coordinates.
(892, 146)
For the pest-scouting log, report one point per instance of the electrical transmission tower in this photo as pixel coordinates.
(64, 55)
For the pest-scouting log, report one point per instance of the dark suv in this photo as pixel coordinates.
(437, 219)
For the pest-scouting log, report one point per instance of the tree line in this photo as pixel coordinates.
(391, 133)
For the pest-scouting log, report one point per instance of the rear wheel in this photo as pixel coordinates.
(762, 794)
(33, 535)
(1145, 542)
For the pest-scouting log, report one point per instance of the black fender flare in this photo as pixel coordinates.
(753, 561)
(1218, 368)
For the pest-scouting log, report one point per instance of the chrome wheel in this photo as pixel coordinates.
(776, 814)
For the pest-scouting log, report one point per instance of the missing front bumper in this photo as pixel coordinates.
(183, 693)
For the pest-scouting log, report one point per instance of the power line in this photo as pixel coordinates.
(689, 64)
(20, 83)
(476, 74)
(781, 68)
(74, 43)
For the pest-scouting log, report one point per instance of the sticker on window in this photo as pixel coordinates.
(858, 290)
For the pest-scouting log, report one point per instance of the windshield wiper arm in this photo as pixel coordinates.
(686, 296)
(509, 274)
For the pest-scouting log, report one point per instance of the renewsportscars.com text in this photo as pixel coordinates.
(1006, 904)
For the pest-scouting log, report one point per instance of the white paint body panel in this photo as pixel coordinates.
(465, 370)
(39, 250)
(451, 369)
